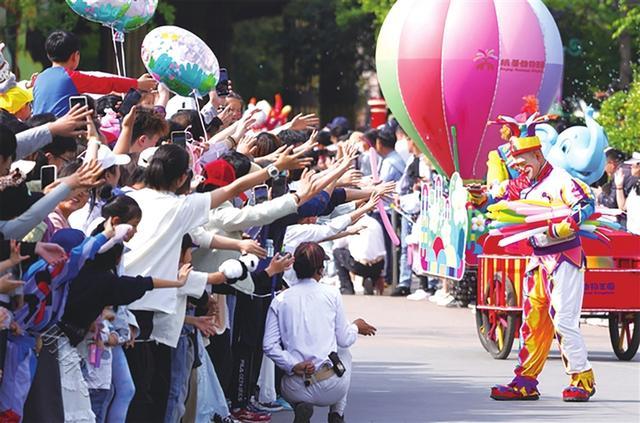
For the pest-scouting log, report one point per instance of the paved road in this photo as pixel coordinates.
(427, 365)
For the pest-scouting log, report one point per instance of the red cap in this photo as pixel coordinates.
(218, 172)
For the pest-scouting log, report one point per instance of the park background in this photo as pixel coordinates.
(319, 54)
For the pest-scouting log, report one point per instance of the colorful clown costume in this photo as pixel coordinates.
(554, 279)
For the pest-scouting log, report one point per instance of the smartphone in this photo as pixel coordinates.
(179, 138)
(48, 174)
(260, 194)
(77, 99)
(279, 186)
(222, 87)
(131, 99)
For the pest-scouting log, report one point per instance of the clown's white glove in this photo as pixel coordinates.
(238, 269)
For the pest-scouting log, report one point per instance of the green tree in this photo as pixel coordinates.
(326, 55)
(601, 39)
(620, 116)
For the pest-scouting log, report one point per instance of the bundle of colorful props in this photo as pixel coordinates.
(521, 219)
(269, 117)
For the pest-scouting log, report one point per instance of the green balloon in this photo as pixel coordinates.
(387, 51)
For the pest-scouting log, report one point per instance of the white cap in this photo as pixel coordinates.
(108, 158)
(635, 158)
(146, 155)
(177, 103)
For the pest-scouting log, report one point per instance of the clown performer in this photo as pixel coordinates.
(554, 278)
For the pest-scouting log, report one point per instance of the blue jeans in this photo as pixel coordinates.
(405, 269)
(122, 387)
(99, 403)
(211, 398)
(181, 364)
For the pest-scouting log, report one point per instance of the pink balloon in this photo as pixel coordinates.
(449, 66)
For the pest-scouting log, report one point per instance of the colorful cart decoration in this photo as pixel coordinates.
(612, 288)
(443, 225)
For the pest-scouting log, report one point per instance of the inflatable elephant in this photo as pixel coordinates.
(579, 150)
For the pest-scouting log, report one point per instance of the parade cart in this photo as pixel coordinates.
(612, 289)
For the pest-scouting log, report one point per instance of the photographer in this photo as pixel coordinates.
(305, 327)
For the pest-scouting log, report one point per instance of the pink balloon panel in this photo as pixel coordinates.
(419, 76)
(462, 63)
(470, 51)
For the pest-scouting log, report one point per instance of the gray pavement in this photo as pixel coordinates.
(427, 365)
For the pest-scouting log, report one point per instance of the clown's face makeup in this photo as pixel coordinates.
(529, 163)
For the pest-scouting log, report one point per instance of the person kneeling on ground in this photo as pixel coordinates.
(306, 328)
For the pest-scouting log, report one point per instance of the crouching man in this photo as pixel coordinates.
(307, 335)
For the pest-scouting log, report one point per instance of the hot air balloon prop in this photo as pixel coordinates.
(446, 67)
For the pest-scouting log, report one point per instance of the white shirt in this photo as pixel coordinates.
(402, 148)
(306, 322)
(368, 245)
(155, 248)
(167, 327)
(227, 220)
(633, 212)
(297, 234)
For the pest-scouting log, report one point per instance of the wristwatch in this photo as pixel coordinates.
(272, 171)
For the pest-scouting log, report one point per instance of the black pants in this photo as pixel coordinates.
(220, 353)
(345, 263)
(150, 366)
(244, 362)
(44, 402)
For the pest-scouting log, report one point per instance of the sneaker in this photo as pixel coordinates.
(445, 300)
(247, 416)
(253, 407)
(418, 295)
(269, 407)
(303, 413)
(582, 387)
(401, 291)
(524, 389)
(284, 404)
(335, 418)
(435, 297)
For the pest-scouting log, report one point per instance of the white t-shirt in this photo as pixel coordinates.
(167, 327)
(633, 212)
(368, 245)
(155, 248)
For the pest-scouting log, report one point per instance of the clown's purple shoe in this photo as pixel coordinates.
(520, 389)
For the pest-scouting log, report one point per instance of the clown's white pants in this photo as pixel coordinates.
(552, 305)
(329, 392)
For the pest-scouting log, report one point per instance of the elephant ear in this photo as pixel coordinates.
(595, 129)
(548, 136)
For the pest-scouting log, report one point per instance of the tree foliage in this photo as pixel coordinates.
(326, 52)
(620, 116)
(597, 35)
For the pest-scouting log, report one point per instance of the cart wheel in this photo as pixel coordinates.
(624, 331)
(497, 329)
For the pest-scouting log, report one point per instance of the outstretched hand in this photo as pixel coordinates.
(364, 328)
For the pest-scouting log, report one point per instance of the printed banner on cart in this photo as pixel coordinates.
(443, 228)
